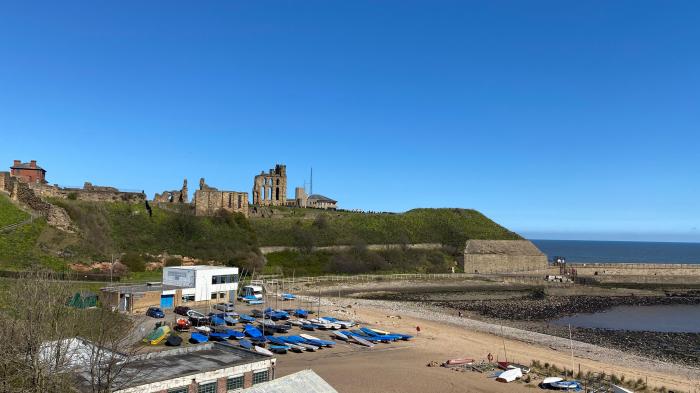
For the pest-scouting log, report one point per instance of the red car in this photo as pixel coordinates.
(181, 310)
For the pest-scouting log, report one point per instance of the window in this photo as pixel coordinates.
(222, 295)
(213, 296)
(181, 389)
(260, 376)
(224, 279)
(209, 387)
(187, 298)
(234, 383)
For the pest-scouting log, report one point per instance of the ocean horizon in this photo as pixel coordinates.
(599, 251)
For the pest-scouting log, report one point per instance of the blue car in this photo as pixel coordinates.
(155, 312)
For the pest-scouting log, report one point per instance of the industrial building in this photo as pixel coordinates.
(190, 285)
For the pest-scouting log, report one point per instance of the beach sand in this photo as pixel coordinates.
(402, 367)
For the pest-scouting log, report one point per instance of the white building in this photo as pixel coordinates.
(201, 283)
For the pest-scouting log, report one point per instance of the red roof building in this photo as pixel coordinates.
(28, 172)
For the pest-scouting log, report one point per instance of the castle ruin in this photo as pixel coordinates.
(207, 200)
(270, 189)
(174, 196)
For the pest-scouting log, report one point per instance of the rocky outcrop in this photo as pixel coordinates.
(55, 216)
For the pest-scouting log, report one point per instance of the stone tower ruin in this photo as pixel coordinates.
(270, 189)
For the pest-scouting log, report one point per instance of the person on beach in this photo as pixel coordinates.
(489, 357)
(460, 314)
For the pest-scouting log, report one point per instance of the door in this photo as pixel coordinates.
(167, 301)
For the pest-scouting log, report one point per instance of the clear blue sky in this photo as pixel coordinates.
(559, 119)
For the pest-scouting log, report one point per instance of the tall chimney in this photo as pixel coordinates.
(17, 163)
(32, 163)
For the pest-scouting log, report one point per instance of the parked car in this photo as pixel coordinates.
(182, 310)
(155, 312)
(226, 307)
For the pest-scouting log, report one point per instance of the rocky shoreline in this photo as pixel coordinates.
(532, 314)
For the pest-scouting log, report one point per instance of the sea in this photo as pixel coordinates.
(590, 251)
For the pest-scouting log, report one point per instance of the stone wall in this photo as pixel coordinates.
(88, 193)
(500, 263)
(4, 180)
(270, 189)
(55, 216)
(208, 200)
(173, 196)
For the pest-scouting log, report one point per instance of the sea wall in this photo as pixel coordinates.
(662, 273)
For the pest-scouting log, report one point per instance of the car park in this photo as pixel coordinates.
(155, 312)
(226, 307)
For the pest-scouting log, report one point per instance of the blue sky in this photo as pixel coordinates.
(558, 119)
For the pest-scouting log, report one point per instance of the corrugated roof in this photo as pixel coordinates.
(305, 381)
(502, 247)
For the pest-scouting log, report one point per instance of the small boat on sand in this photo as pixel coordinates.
(197, 338)
(509, 365)
(203, 329)
(358, 340)
(173, 340)
(340, 336)
(245, 343)
(157, 336)
(459, 361)
(509, 375)
(263, 351)
(574, 386)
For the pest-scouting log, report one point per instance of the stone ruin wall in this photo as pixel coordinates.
(270, 189)
(207, 200)
(21, 192)
(173, 196)
(88, 193)
(4, 179)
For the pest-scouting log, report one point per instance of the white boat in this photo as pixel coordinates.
(510, 375)
(203, 329)
(295, 322)
(339, 324)
(361, 341)
(340, 336)
(549, 380)
(379, 331)
(296, 347)
(322, 324)
(309, 337)
(263, 351)
(309, 347)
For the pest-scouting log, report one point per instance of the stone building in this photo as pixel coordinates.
(502, 256)
(28, 172)
(207, 200)
(300, 197)
(318, 201)
(270, 189)
(174, 196)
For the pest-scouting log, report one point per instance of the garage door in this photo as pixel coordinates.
(166, 301)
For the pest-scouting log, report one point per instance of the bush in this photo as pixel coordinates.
(173, 261)
(134, 262)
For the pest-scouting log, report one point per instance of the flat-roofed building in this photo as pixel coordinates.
(190, 285)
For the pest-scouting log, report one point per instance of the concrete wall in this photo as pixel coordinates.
(500, 263)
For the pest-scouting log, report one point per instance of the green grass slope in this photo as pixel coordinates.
(446, 226)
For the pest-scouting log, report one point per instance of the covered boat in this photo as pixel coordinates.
(509, 375)
(197, 338)
(173, 340)
(157, 336)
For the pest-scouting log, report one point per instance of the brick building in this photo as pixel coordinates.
(28, 172)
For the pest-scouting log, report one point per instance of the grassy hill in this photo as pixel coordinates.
(297, 227)
(107, 228)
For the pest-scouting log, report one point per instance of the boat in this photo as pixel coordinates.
(252, 332)
(359, 340)
(217, 321)
(379, 331)
(317, 341)
(280, 349)
(245, 344)
(509, 365)
(341, 324)
(182, 324)
(196, 338)
(236, 335)
(301, 313)
(509, 375)
(340, 336)
(372, 333)
(295, 322)
(549, 380)
(203, 329)
(197, 318)
(217, 336)
(173, 340)
(308, 326)
(157, 336)
(459, 361)
(246, 318)
(296, 340)
(288, 296)
(262, 351)
(566, 385)
(377, 338)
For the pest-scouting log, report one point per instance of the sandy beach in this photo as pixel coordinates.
(402, 367)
